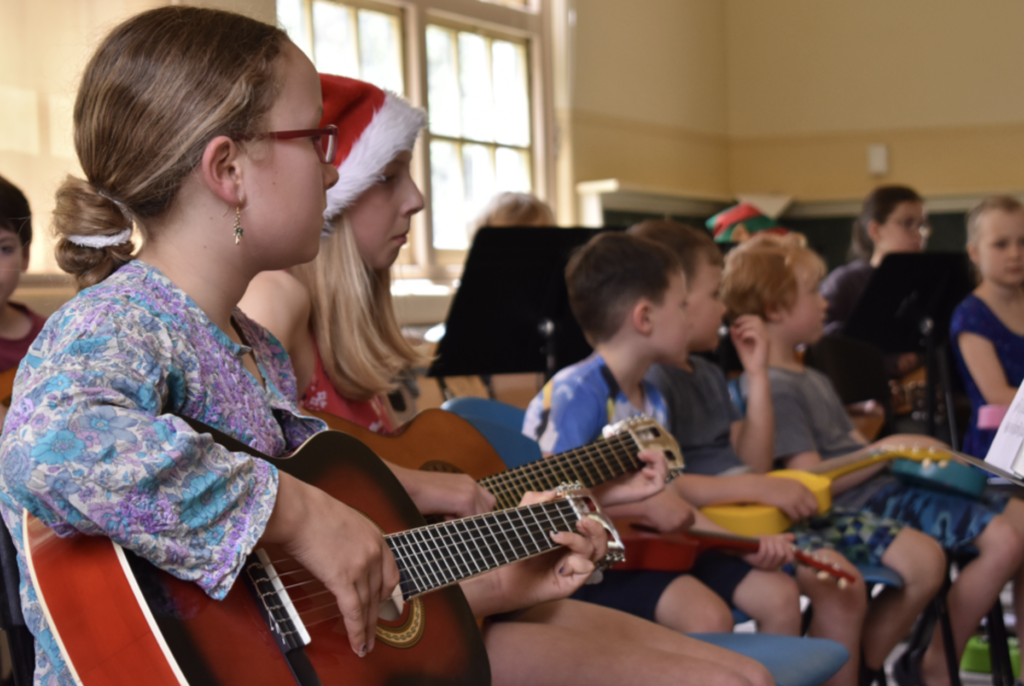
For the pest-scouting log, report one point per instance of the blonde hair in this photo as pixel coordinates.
(761, 274)
(1004, 203)
(358, 336)
(159, 88)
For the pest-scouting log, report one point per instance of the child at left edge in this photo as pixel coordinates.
(19, 325)
(629, 296)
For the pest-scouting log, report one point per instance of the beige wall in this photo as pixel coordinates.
(44, 45)
(648, 93)
(746, 96)
(811, 84)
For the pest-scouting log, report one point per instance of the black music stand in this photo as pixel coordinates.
(511, 312)
(907, 306)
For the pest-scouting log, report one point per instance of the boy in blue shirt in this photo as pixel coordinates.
(629, 296)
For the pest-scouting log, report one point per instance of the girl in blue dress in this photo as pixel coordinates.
(987, 328)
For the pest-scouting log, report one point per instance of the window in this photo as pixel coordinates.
(479, 127)
(472, 70)
(350, 41)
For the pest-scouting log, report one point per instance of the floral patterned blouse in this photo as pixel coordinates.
(90, 445)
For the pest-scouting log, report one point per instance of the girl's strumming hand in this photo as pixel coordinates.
(341, 548)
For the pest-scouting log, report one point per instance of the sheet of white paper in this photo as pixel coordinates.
(1005, 451)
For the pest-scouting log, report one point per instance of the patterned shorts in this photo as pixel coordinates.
(861, 537)
(953, 520)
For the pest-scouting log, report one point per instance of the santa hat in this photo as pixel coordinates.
(374, 126)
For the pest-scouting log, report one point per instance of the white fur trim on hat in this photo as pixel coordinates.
(392, 130)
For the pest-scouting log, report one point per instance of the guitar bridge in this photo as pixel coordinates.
(274, 603)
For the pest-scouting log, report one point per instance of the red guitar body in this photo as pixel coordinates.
(123, 621)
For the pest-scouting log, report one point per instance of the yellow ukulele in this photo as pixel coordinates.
(925, 466)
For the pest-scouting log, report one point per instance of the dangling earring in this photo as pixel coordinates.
(238, 225)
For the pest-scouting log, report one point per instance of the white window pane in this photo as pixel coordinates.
(475, 85)
(511, 94)
(448, 217)
(512, 170)
(380, 50)
(291, 19)
(442, 82)
(334, 38)
(478, 171)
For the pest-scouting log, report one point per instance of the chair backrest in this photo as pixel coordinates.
(856, 369)
(22, 645)
(491, 410)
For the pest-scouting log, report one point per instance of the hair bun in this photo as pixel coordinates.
(83, 212)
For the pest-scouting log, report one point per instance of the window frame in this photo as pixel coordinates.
(530, 25)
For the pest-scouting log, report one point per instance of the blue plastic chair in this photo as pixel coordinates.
(792, 661)
(491, 410)
(501, 425)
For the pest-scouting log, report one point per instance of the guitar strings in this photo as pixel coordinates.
(510, 485)
(441, 551)
(574, 461)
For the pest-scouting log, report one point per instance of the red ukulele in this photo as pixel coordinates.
(677, 552)
(121, 620)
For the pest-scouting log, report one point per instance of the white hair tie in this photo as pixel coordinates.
(101, 241)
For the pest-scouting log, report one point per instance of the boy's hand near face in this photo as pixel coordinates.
(751, 341)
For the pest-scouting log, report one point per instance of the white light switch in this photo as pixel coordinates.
(878, 159)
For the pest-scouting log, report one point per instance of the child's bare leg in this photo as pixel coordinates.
(772, 599)
(1014, 513)
(838, 612)
(690, 607)
(614, 648)
(919, 559)
(978, 585)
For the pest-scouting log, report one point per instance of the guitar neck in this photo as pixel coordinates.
(590, 465)
(439, 555)
(839, 466)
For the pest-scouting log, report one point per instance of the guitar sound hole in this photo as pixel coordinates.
(440, 466)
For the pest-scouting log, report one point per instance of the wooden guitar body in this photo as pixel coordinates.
(435, 440)
(123, 621)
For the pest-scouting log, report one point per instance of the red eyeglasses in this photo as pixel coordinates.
(325, 138)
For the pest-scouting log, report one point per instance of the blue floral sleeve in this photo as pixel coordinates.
(88, 447)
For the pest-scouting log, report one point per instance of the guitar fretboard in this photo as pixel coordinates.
(590, 465)
(438, 555)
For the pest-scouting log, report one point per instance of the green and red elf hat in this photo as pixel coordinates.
(739, 222)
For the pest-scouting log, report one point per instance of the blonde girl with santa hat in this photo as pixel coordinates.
(335, 318)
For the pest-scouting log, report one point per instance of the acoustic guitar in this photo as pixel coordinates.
(437, 440)
(678, 552)
(120, 620)
(925, 466)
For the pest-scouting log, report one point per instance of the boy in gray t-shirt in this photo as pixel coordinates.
(877, 628)
(778, 279)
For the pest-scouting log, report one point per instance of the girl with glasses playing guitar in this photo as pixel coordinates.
(171, 128)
